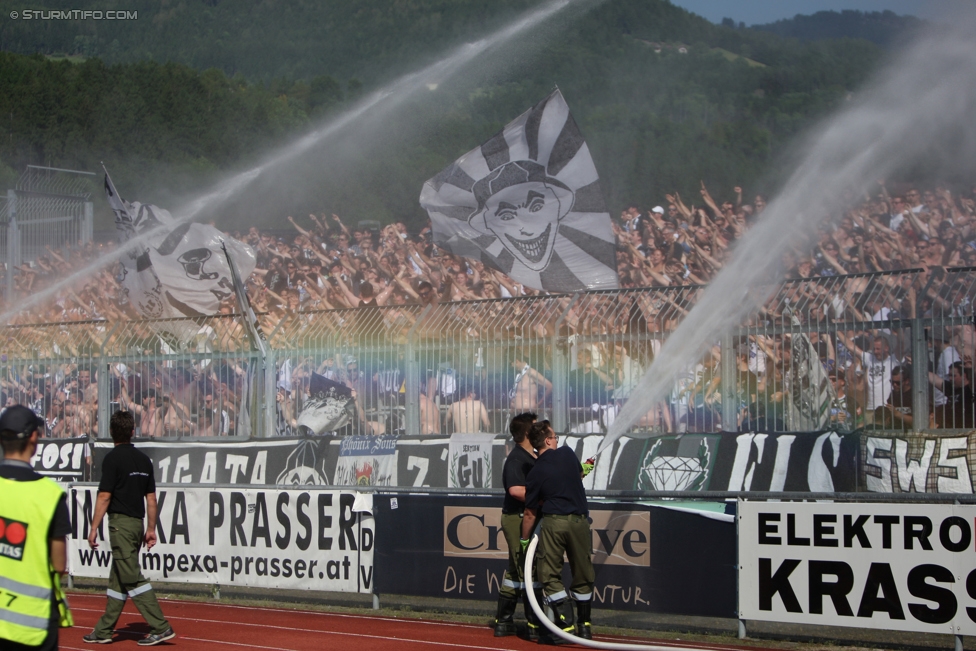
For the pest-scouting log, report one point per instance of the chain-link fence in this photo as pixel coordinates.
(889, 351)
(49, 210)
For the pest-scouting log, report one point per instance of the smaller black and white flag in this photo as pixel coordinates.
(180, 270)
(528, 203)
(329, 407)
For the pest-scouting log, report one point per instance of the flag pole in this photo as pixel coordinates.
(267, 361)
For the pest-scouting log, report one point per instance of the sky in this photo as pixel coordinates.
(753, 12)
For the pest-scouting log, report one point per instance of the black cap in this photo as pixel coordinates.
(19, 422)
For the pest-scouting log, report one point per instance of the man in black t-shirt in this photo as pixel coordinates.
(520, 460)
(127, 492)
(554, 489)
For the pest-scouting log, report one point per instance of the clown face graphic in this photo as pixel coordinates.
(521, 206)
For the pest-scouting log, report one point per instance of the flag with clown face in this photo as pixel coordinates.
(528, 203)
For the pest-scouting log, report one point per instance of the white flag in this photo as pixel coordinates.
(182, 270)
(528, 202)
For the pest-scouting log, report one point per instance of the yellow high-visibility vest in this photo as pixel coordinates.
(28, 584)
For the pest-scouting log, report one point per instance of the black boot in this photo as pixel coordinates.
(562, 612)
(534, 626)
(504, 620)
(583, 620)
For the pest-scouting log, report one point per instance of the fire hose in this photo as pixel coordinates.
(569, 637)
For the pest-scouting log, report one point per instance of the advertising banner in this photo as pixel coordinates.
(647, 558)
(276, 538)
(901, 567)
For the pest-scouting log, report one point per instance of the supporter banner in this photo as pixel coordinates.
(283, 462)
(275, 538)
(694, 462)
(649, 559)
(470, 459)
(697, 462)
(900, 567)
(367, 461)
(918, 463)
(63, 460)
(318, 461)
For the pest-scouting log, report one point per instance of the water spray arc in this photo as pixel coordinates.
(863, 143)
(377, 104)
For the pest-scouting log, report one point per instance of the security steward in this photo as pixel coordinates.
(127, 492)
(519, 462)
(34, 527)
(554, 490)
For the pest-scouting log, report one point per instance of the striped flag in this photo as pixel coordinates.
(528, 203)
(811, 391)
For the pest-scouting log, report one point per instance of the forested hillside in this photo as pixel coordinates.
(884, 28)
(192, 90)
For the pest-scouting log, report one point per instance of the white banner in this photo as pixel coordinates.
(291, 539)
(903, 567)
(469, 464)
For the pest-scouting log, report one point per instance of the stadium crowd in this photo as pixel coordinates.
(325, 264)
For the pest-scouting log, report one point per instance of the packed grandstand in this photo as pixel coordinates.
(902, 253)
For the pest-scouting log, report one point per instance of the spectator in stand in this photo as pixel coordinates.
(958, 389)
(468, 415)
(878, 364)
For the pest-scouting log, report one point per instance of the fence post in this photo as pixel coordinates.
(13, 242)
(920, 377)
(270, 397)
(88, 223)
(560, 384)
(730, 419)
(561, 364)
(104, 396)
(411, 412)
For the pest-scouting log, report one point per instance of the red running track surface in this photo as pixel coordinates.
(219, 627)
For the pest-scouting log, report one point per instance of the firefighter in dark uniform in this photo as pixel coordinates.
(34, 527)
(517, 465)
(554, 490)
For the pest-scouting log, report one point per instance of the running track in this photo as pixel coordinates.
(219, 627)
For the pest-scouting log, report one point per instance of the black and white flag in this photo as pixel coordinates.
(330, 406)
(528, 203)
(178, 271)
(811, 391)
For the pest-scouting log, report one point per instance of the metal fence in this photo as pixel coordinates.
(888, 351)
(49, 209)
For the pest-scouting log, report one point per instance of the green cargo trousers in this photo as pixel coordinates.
(512, 583)
(125, 579)
(569, 534)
